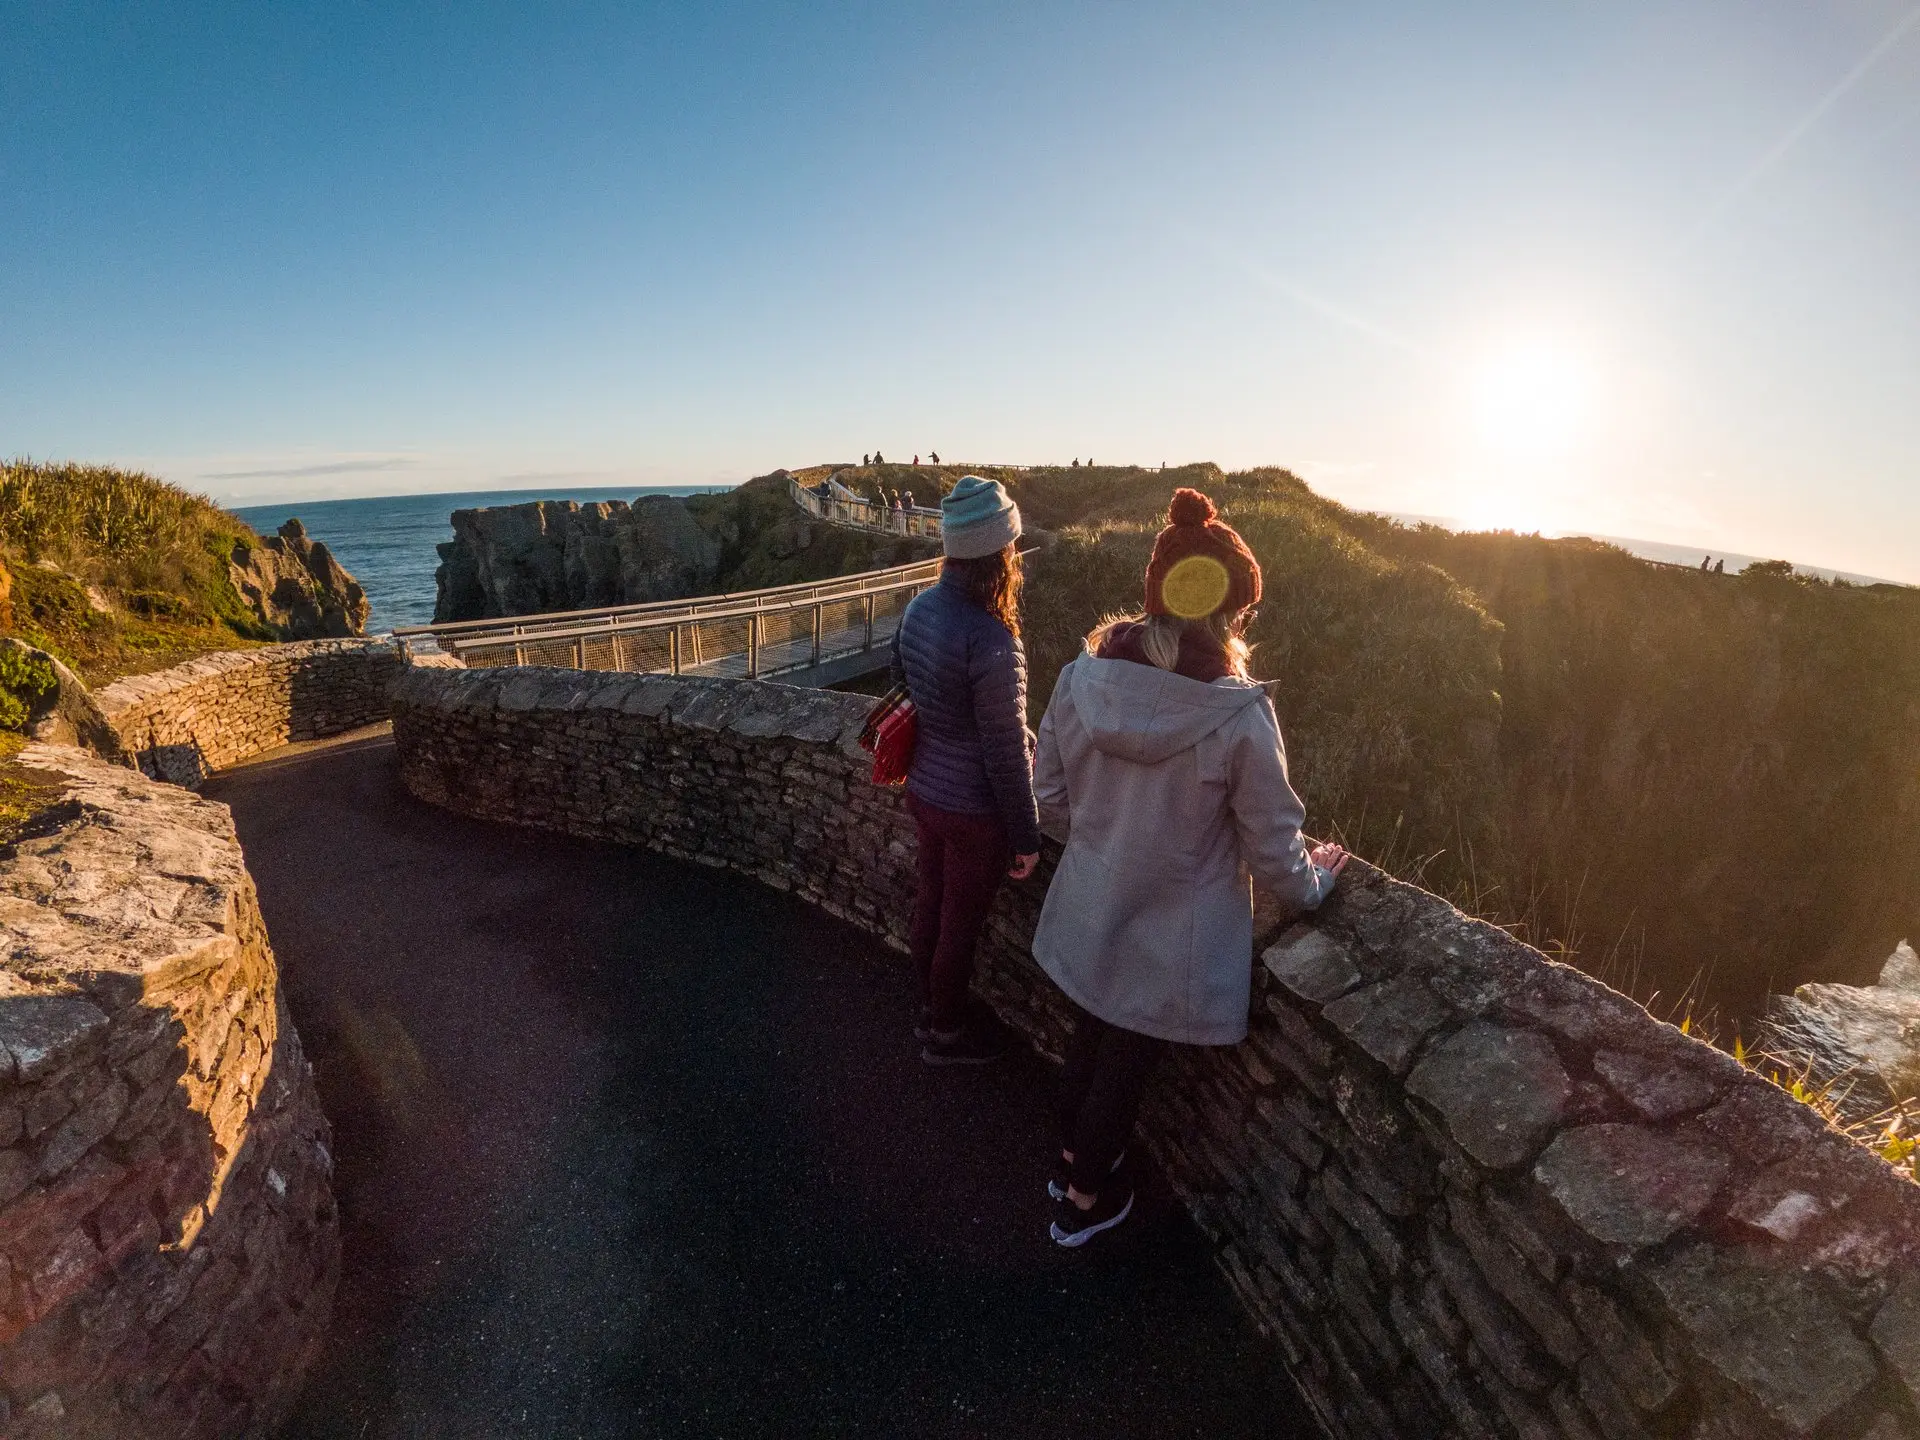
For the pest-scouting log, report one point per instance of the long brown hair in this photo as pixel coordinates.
(992, 583)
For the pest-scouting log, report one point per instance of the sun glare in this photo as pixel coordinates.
(1530, 399)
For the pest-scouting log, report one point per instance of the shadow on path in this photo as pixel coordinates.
(633, 1148)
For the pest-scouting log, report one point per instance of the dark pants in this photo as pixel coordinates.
(1100, 1089)
(963, 859)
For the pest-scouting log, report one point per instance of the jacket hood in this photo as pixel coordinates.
(1145, 714)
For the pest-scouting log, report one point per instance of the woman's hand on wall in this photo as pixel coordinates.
(1330, 858)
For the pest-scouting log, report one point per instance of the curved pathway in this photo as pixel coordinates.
(633, 1148)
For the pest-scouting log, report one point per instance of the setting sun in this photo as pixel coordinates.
(1530, 398)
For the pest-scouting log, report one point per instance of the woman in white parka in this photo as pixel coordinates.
(1162, 768)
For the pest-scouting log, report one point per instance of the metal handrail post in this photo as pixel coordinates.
(817, 619)
(673, 651)
(753, 646)
(867, 644)
(579, 652)
(519, 653)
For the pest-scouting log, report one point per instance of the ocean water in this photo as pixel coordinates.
(387, 543)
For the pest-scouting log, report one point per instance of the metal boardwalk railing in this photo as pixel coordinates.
(837, 505)
(819, 631)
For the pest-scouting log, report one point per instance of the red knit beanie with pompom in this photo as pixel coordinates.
(1200, 564)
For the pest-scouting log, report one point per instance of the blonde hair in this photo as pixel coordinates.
(1161, 634)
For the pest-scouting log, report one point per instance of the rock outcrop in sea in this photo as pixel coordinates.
(564, 555)
(295, 585)
(1863, 1040)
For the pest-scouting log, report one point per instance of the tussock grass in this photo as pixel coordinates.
(1701, 789)
(116, 571)
(1385, 674)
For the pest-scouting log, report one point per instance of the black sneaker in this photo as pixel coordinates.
(1057, 1186)
(1073, 1226)
(978, 1013)
(969, 1045)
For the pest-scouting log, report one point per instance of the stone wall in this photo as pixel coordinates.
(1466, 1191)
(182, 724)
(168, 1240)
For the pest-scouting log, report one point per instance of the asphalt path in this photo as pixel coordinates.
(628, 1147)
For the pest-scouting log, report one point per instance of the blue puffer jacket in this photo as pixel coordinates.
(968, 679)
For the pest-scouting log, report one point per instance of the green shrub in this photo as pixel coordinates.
(159, 552)
(25, 680)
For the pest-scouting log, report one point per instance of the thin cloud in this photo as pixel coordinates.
(1339, 313)
(307, 472)
(527, 475)
(1331, 310)
(1800, 128)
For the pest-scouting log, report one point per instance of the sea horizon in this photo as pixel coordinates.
(389, 543)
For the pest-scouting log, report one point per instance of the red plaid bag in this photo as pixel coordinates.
(889, 735)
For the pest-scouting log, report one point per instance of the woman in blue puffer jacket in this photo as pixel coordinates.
(970, 787)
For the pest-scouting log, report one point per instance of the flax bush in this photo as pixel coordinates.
(157, 553)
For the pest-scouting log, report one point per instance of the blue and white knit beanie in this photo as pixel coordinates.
(977, 518)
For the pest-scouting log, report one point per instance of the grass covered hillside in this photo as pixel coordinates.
(1700, 787)
(116, 572)
(1386, 672)
(764, 540)
(1725, 770)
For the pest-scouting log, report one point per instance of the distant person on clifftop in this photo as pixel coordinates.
(934, 456)
(1719, 567)
(866, 460)
(970, 786)
(1162, 769)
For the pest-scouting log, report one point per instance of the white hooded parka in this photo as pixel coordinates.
(1170, 794)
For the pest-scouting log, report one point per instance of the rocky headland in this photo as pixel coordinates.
(295, 585)
(1860, 1044)
(114, 572)
(550, 555)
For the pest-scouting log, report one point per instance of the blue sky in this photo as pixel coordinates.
(1639, 269)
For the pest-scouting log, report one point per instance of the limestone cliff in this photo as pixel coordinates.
(563, 555)
(551, 555)
(295, 585)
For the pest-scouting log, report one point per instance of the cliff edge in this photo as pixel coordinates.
(549, 555)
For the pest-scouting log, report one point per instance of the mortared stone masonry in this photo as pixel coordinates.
(168, 1240)
(183, 724)
(1466, 1191)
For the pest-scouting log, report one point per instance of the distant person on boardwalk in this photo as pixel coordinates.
(970, 787)
(1162, 768)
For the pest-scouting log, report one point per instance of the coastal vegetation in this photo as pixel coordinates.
(117, 572)
(1702, 788)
